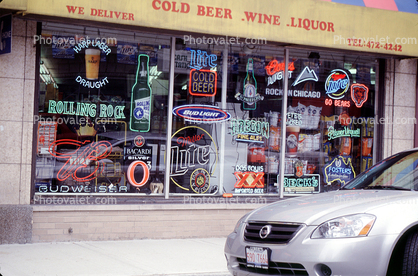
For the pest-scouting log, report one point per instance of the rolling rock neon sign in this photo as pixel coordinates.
(193, 154)
(86, 109)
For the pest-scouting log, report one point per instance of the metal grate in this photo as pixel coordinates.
(280, 232)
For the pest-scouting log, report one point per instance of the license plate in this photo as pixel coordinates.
(257, 257)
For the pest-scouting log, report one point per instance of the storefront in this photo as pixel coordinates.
(249, 103)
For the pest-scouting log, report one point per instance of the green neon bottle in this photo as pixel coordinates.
(250, 87)
(141, 98)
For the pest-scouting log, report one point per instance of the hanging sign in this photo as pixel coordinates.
(202, 83)
(359, 94)
(340, 169)
(337, 84)
(201, 113)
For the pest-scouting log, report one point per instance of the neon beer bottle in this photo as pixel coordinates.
(250, 87)
(141, 98)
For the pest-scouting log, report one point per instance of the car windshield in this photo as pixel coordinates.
(399, 172)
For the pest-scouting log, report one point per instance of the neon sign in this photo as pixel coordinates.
(250, 179)
(200, 181)
(193, 152)
(201, 113)
(307, 74)
(130, 174)
(293, 119)
(346, 132)
(275, 70)
(201, 59)
(249, 97)
(203, 83)
(86, 109)
(79, 159)
(337, 84)
(340, 170)
(250, 130)
(309, 183)
(359, 94)
(92, 62)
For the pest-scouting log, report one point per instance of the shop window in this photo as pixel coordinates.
(102, 111)
(253, 139)
(330, 127)
(197, 119)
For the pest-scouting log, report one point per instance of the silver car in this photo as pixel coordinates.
(368, 227)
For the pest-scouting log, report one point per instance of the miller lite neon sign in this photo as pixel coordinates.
(337, 84)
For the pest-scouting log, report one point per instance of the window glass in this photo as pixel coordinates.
(197, 118)
(102, 111)
(330, 120)
(253, 139)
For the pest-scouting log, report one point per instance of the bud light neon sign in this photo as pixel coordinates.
(201, 113)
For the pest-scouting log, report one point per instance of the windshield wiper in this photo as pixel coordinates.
(386, 188)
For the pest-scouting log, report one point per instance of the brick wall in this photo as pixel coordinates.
(122, 222)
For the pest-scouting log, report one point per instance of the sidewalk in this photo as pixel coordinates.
(116, 258)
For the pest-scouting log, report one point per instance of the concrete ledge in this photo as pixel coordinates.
(15, 224)
(146, 207)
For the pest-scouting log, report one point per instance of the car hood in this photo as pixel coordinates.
(315, 209)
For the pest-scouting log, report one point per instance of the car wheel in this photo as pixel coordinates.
(410, 257)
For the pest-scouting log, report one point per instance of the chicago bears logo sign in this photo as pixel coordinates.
(359, 94)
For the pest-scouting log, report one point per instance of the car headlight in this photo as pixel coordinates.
(240, 223)
(358, 225)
